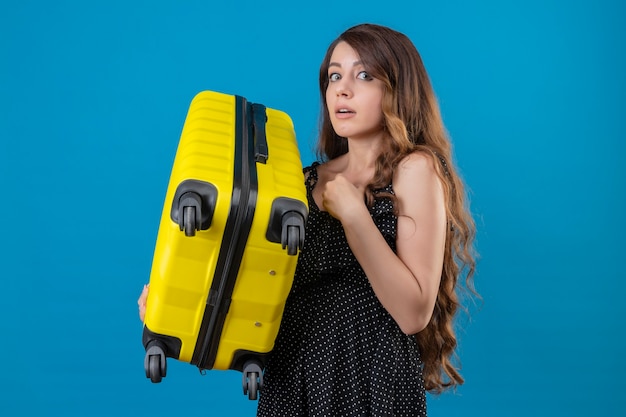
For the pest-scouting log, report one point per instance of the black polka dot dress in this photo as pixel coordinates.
(338, 351)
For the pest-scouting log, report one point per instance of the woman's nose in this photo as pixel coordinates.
(343, 89)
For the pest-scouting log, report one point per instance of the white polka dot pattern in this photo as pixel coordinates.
(338, 351)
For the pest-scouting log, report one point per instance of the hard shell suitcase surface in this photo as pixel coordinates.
(228, 239)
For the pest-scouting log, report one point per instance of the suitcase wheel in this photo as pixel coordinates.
(287, 224)
(292, 236)
(155, 363)
(189, 220)
(193, 206)
(252, 379)
(293, 240)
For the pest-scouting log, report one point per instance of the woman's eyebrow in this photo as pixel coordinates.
(337, 64)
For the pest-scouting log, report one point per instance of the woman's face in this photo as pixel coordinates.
(353, 97)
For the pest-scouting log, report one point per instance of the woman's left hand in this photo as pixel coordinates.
(141, 302)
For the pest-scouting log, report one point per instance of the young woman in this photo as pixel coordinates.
(367, 328)
(368, 325)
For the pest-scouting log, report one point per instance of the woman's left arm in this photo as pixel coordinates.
(406, 283)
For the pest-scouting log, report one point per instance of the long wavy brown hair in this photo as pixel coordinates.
(413, 123)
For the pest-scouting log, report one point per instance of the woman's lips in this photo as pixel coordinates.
(344, 113)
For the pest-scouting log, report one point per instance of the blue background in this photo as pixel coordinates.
(93, 98)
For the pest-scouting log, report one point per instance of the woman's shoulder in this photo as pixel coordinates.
(322, 168)
(311, 170)
(311, 173)
(415, 163)
(415, 170)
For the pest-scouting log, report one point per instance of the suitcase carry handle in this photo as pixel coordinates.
(259, 119)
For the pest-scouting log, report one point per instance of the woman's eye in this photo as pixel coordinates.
(363, 76)
(334, 77)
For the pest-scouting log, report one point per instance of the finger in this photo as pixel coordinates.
(144, 295)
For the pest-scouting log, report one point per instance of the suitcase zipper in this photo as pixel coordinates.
(243, 202)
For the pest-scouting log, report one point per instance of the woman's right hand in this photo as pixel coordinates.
(142, 301)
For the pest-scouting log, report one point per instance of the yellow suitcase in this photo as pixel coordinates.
(228, 240)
